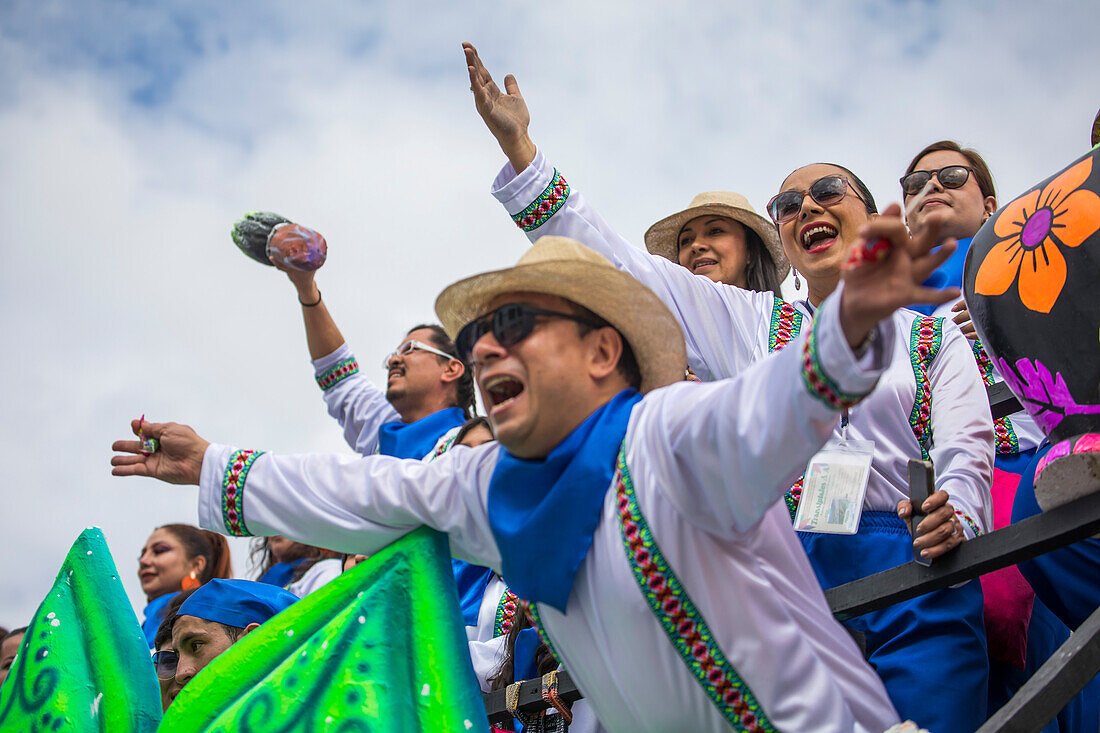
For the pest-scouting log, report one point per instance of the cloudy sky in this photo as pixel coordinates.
(133, 134)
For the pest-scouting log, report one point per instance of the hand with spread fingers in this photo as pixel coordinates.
(877, 287)
(940, 531)
(177, 458)
(505, 113)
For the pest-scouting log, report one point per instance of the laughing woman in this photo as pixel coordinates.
(929, 404)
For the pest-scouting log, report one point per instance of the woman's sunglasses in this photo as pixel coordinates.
(825, 191)
(509, 324)
(165, 663)
(950, 176)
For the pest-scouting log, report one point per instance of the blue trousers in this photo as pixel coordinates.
(930, 652)
(1066, 580)
(1045, 634)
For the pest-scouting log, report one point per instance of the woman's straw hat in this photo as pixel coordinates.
(663, 237)
(566, 268)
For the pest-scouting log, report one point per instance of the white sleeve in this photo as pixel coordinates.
(349, 504)
(725, 327)
(356, 402)
(316, 577)
(725, 452)
(962, 431)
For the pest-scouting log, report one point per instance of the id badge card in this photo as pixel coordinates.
(834, 487)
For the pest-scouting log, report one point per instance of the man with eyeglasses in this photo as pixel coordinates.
(209, 621)
(632, 525)
(429, 395)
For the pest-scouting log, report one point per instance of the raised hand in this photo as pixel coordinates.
(876, 288)
(505, 113)
(177, 459)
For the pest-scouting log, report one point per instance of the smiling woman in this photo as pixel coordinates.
(177, 557)
(721, 237)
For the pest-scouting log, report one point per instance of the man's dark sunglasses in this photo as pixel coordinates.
(950, 176)
(165, 663)
(509, 324)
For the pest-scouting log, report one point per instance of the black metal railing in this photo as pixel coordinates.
(1050, 688)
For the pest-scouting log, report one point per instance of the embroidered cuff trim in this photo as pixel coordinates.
(236, 473)
(539, 211)
(969, 522)
(818, 382)
(337, 373)
(506, 613)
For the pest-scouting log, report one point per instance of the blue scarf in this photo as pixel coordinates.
(416, 439)
(947, 275)
(543, 512)
(154, 616)
(280, 573)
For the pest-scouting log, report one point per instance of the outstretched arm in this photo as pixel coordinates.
(322, 335)
(354, 505)
(726, 328)
(357, 403)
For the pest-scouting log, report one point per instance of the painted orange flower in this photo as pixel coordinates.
(1031, 230)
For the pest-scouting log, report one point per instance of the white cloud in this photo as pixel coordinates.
(131, 139)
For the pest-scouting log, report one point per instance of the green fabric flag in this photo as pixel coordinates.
(381, 648)
(83, 664)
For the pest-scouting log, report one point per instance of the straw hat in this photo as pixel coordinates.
(663, 237)
(566, 268)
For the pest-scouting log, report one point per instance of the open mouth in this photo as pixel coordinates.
(818, 237)
(703, 262)
(502, 390)
(395, 372)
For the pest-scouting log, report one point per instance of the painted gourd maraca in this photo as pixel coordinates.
(1031, 285)
(269, 238)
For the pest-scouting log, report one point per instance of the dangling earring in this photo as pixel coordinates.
(797, 282)
(190, 582)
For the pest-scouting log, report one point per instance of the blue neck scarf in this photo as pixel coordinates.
(280, 573)
(543, 512)
(154, 616)
(947, 275)
(416, 439)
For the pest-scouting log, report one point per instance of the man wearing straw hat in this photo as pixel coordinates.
(645, 532)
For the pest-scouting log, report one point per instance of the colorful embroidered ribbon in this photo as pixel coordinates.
(506, 613)
(1005, 436)
(818, 382)
(539, 211)
(681, 620)
(786, 324)
(337, 373)
(925, 339)
(236, 473)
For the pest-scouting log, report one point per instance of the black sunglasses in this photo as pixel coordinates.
(826, 191)
(165, 663)
(950, 176)
(510, 324)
